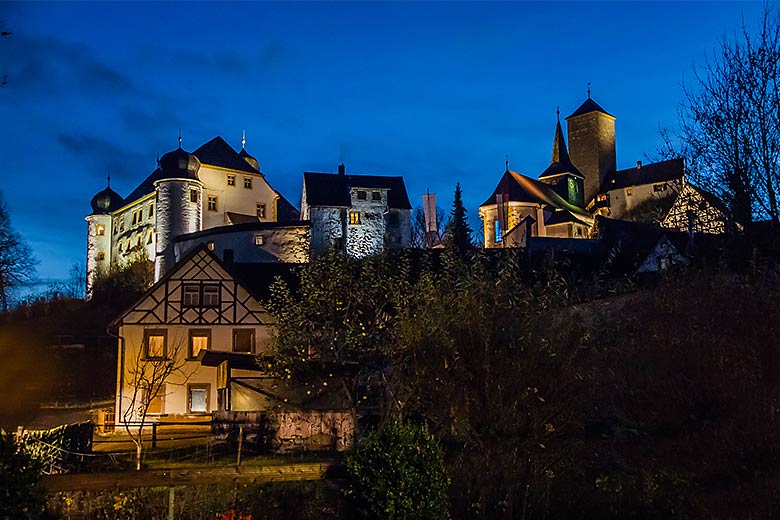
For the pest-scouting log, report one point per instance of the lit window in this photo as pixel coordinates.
(155, 343)
(243, 340)
(149, 238)
(194, 196)
(354, 217)
(376, 195)
(210, 245)
(190, 295)
(151, 210)
(135, 218)
(497, 231)
(127, 245)
(248, 183)
(101, 256)
(629, 192)
(659, 187)
(156, 400)
(140, 215)
(198, 398)
(119, 247)
(212, 203)
(231, 180)
(122, 224)
(138, 240)
(361, 195)
(199, 340)
(258, 240)
(211, 295)
(100, 230)
(260, 210)
(602, 197)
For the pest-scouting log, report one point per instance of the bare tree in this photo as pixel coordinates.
(420, 239)
(153, 368)
(730, 122)
(17, 263)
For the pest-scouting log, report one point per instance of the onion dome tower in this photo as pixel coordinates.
(179, 204)
(245, 155)
(99, 232)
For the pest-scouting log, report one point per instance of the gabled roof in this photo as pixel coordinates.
(673, 169)
(587, 107)
(285, 210)
(146, 187)
(218, 153)
(333, 189)
(519, 188)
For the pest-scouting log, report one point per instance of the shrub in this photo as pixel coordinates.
(398, 472)
(21, 494)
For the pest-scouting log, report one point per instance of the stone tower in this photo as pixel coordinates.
(99, 233)
(179, 204)
(592, 144)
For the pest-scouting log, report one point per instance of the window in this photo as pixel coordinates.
(376, 195)
(244, 340)
(151, 210)
(231, 180)
(135, 218)
(190, 295)
(140, 215)
(121, 224)
(260, 210)
(498, 236)
(258, 240)
(101, 256)
(149, 238)
(138, 240)
(127, 245)
(361, 195)
(116, 226)
(155, 401)
(211, 295)
(659, 187)
(198, 398)
(194, 196)
(212, 203)
(248, 183)
(354, 217)
(210, 245)
(602, 197)
(200, 339)
(119, 247)
(629, 192)
(100, 230)
(155, 342)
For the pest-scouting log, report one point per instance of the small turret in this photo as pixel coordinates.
(99, 232)
(245, 155)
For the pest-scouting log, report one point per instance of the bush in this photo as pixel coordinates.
(21, 494)
(398, 472)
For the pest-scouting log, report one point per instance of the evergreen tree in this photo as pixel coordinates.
(458, 231)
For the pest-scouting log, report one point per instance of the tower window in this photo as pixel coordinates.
(149, 238)
(231, 180)
(354, 217)
(498, 235)
(100, 230)
(248, 183)
(259, 240)
(210, 246)
(140, 215)
(135, 218)
(194, 196)
(151, 210)
(629, 192)
(212, 203)
(101, 256)
(361, 195)
(260, 210)
(122, 224)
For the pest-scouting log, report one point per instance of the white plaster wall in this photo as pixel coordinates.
(368, 237)
(175, 399)
(97, 244)
(132, 232)
(325, 228)
(176, 215)
(235, 198)
(288, 244)
(620, 202)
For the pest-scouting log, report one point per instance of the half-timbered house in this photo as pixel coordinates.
(203, 324)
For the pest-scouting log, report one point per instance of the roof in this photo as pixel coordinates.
(257, 278)
(254, 225)
(218, 153)
(663, 171)
(332, 189)
(587, 107)
(146, 187)
(285, 210)
(562, 217)
(106, 201)
(560, 161)
(519, 188)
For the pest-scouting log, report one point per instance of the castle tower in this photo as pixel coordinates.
(179, 204)
(566, 179)
(99, 233)
(592, 144)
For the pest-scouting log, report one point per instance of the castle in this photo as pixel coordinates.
(219, 197)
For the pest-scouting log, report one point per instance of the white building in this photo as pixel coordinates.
(210, 188)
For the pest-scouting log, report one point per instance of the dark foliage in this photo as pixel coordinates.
(21, 493)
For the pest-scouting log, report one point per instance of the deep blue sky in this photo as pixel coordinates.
(436, 92)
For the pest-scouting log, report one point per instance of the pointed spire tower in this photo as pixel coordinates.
(561, 173)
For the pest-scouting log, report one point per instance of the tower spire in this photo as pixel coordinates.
(507, 162)
(559, 154)
(243, 139)
(588, 89)
(179, 137)
(108, 184)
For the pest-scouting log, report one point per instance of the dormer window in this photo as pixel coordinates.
(194, 196)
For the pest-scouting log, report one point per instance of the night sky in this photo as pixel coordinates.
(437, 92)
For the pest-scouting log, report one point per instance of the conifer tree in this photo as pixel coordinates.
(458, 232)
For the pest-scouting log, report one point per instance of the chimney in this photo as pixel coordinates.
(639, 165)
(341, 169)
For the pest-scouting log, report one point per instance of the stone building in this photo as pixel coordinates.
(360, 214)
(211, 188)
